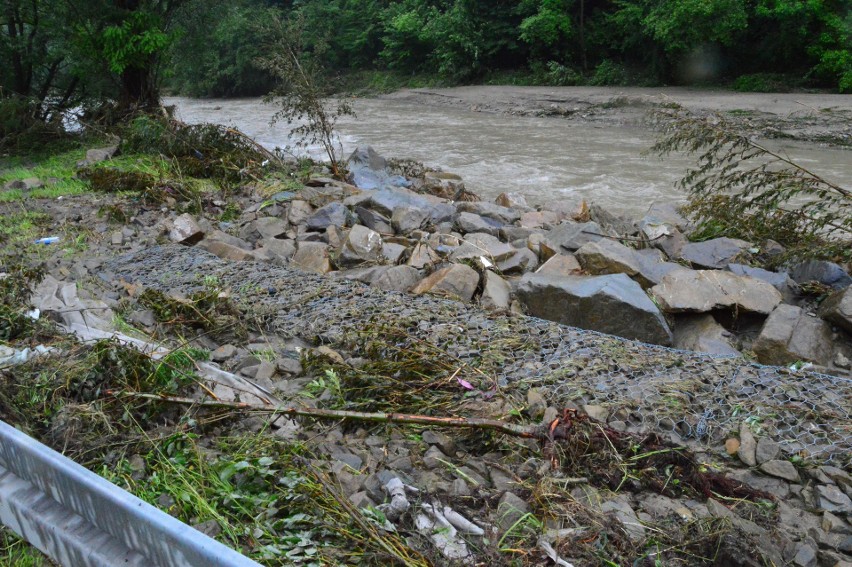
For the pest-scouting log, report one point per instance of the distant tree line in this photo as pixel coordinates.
(751, 44)
(67, 53)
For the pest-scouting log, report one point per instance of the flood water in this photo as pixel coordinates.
(546, 159)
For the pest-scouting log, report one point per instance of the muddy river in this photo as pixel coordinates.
(545, 158)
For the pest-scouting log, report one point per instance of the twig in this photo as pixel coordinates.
(529, 432)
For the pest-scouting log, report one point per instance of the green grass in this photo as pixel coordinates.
(18, 553)
(60, 167)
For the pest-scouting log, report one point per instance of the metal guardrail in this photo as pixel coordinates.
(79, 519)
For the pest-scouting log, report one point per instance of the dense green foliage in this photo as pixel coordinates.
(749, 44)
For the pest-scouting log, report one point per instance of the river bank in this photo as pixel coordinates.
(403, 293)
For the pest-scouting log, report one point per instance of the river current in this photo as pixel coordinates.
(546, 159)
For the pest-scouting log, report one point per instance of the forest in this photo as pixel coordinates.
(69, 52)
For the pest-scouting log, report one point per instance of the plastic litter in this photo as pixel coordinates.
(13, 357)
(47, 240)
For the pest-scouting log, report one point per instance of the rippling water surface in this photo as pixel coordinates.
(546, 159)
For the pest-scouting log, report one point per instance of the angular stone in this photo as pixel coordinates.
(837, 309)
(470, 222)
(479, 244)
(748, 446)
(405, 219)
(714, 254)
(767, 450)
(373, 220)
(510, 509)
(540, 219)
(97, 155)
(299, 212)
(226, 251)
(442, 440)
(779, 280)
(495, 292)
(512, 200)
(570, 236)
(789, 335)
(499, 214)
(362, 245)
(834, 500)
(705, 290)
(393, 252)
(397, 278)
(364, 275)
(386, 201)
(270, 227)
(332, 214)
(827, 273)
(560, 265)
(223, 353)
(185, 230)
(422, 256)
(312, 257)
(702, 333)
(220, 236)
(627, 516)
(280, 249)
(523, 260)
(612, 304)
(607, 257)
(781, 469)
(456, 280)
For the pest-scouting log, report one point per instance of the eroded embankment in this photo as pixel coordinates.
(697, 399)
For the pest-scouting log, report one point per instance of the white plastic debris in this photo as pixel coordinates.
(47, 240)
(551, 553)
(399, 503)
(461, 523)
(443, 534)
(13, 357)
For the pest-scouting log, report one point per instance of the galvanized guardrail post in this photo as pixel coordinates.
(79, 519)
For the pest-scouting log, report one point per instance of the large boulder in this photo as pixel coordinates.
(499, 214)
(185, 230)
(561, 265)
(700, 291)
(714, 254)
(826, 273)
(369, 170)
(374, 221)
(702, 333)
(471, 222)
(779, 280)
(612, 304)
(397, 278)
(270, 227)
(837, 309)
(456, 281)
(570, 236)
(790, 335)
(608, 257)
(362, 245)
(480, 244)
(387, 201)
(496, 292)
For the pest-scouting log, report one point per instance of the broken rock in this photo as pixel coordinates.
(789, 334)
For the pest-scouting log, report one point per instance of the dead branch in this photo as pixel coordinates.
(526, 431)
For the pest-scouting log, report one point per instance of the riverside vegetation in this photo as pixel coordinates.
(618, 481)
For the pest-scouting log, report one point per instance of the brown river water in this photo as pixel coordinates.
(545, 158)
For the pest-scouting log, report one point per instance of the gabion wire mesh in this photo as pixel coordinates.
(695, 399)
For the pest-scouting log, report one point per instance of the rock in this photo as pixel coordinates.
(806, 556)
(220, 236)
(607, 257)
(422, 256)
(223, 353)
(732, 446)
(501, 481)
(456, 280)
(387, 201)
(540, 219)
(705, 290)
(789, 335)
(364, 275)
(117, 238)
(332, 214)
(24, 185)
(185, 230)
(479, 244)
(393, 252)
(226, 251)
(837, 309)
(626, 515)
(490, 211)
(512, 200)
(470, 222)
(270, 227)
(748, 446)
(781, 469)
(826, 273)
(362, 500)
(279, 249)
(432, 458)
(714, 254)
(495, 292)
(510, 509)
(362, 245)
(778, 488)
(560, 265)
(668, 213)
(652, 271)
(612, 304)
(767, 450)
(702, 333)
(144, 317)
(406, 219)
(834, 500)
(442, 440)
(374, 221)
(368, 170)
(210, 528)
(523, 260)
(312, 257)
(97, 155)
(841, 361)
(570, 236)
(299, 212)
(397, 278)
(779, 280)
(717, 509)
(833, 524)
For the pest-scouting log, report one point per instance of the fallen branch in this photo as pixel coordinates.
(526, 431)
